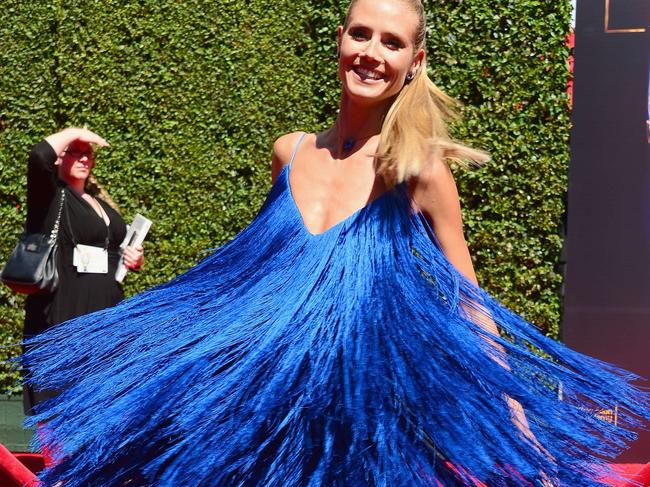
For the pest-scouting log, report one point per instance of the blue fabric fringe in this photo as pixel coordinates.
(348, 358)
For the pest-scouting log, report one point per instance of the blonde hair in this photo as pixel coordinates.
(93, 188)
(414, 131)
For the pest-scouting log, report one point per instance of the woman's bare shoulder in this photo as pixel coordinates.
(435, 180)
(282, 149)
(284, 146)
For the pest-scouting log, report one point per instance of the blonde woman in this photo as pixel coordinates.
(340, 339)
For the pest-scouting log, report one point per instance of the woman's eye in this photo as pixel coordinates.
(358, 35)
(393, 43)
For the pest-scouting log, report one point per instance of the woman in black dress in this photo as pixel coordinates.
(62, 164)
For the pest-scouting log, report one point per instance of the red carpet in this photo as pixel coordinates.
(635, 473)
(13, 473)
(17, 470)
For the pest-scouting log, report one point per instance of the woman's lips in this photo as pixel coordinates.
(367, 73)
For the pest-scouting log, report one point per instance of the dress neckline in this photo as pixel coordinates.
(285, 173)
(92, 208)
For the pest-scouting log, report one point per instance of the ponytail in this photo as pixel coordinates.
(414, 132)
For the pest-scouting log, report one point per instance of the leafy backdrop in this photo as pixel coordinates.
(192, 94)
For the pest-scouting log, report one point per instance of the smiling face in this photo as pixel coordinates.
(377, 49)
(76, 162)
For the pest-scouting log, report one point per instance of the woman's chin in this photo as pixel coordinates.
(78, 176)
(368, 92)
(368, 97)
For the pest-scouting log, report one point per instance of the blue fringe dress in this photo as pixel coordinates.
(354, 357)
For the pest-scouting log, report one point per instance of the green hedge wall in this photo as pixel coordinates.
(192, 94)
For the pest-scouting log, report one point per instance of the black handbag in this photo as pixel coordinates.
(31, 267)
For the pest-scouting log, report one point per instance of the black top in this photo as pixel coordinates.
(77, 293)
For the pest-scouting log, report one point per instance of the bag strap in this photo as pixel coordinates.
(55, 228)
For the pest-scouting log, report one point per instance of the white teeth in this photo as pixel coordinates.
(368, 73)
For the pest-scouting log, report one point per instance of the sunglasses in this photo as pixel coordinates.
(79, 154)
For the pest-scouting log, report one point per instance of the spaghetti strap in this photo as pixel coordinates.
(295, 149)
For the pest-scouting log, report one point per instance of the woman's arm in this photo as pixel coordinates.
(41, 186)
(60, 140)
(41, 172)
(436, 194)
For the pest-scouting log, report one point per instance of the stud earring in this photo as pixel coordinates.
(409, 77)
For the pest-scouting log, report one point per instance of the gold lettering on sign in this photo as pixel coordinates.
(610, 30)
(609, 415)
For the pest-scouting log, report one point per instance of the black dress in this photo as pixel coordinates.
(77, 293)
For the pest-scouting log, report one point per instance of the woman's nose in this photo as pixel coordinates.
(372, 49)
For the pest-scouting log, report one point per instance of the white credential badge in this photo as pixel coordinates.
(89, 259)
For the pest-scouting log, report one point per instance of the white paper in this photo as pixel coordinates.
(135, 235)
